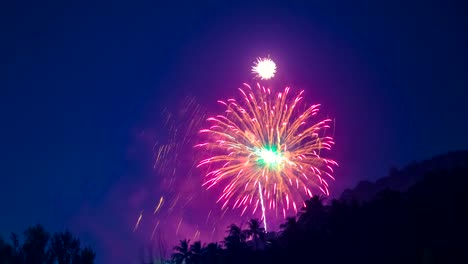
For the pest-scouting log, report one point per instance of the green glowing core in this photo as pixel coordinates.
(269, 157)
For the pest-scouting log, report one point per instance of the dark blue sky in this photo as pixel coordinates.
(80, 81)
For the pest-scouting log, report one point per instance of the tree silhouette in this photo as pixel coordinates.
(16, 257)
(35, 245)
(289, 229)
(87, 256)
(40, 248)
(64, 248)
(255, 233)
(6, 252)
(313, 216)
(182, 252)
(195, 253)
(235, 240)
(211, 253)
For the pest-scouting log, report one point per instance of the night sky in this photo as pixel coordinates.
(82, 87)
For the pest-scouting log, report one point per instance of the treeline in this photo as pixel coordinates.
(426, 224)
(40, 247)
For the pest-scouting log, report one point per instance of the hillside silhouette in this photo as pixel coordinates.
(402, 179)
(415, 215)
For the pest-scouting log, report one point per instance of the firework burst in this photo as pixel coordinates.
(264, 68)
(266, 152)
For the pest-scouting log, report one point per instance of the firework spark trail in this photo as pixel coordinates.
(161, 202)
(266, 140)
(178, 226)
(154, 229)
(263, 206)
(174, 165)
(138, 221)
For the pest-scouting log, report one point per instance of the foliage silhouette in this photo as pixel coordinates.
(212, 253)
(39, 247)
(195, 253)
(256, 234)
(182, 252)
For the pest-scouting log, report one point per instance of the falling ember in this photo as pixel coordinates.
(138, 221)
(264, 68)
(208, 217)
(154, 229)
(270, 140)
(161, 201)
(178, 226)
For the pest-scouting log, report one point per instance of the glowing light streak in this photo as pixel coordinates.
(263, 206)
(161, 202)
(138, 221)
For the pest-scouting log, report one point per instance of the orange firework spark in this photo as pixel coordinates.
(266, 150)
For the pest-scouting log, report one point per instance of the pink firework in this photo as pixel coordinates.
(266, 152)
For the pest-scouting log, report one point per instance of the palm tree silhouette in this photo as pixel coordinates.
(195, 253)
(211, 253)
(235, 239)
(313, 215)
(256, 233)
(290, 226)
(182, 254)
(289, 231)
